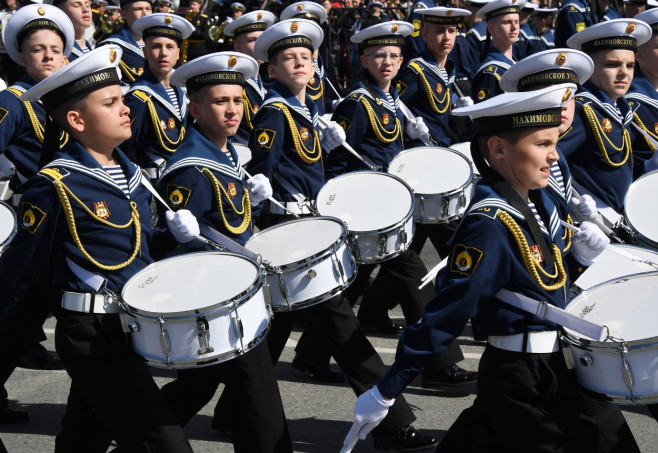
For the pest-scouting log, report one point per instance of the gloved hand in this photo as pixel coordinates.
(588, 243)
(183, 225)
(651, 164)
(466, 101)
(259, 188)
(416, 128)
(332, 136)
(369, 410)
(583, 208)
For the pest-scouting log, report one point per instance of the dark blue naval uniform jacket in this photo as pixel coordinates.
(414, 43)
(77, 52)
(273, 147)
(530, 43)
(427, 94)
(574, 16)
(146, 141)
(44, 236)
(316, 88)
(352, 114)
(643, 99)
(484, 258)
(253, 96)
(186, 186)
(132, 60)
(476, 37)
(486, 83)
(587, 161)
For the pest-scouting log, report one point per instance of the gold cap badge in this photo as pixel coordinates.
(294, 27)
(232, 61)
(448, 13)
(567, 95)
(113, 55)
(394, 28)
(561, 59)
(41, 10)
(630, 29)
(168, 20)
(259, 16)
(300, 7)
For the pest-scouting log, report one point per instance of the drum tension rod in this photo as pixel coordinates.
(626, 371)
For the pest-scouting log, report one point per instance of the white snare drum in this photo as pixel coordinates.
(623, 369)
(7, 225)
(307, 261)
(195, 310)
(378, 210)
(610, 265)
(244, 153)
(641, 217)
(442, 181)
(464, 148)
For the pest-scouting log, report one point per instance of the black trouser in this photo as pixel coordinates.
(251, 392)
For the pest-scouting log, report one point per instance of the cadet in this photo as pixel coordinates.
(158, 111)
(86, 227)
(502, 18)
(38, 37)
(207, 171)
(245, 30)
(574, 16)
(599, 145)
(200, 42)
(131, 43)
(471, 49)
(527, 398)
(80, 13)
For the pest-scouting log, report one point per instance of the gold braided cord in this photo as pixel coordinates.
(597, 129)
(639, 122)
(248, 109)
(310, 156)
(430, 92)
(320, 90)
(529, 261)
(378, 128)
(161, 136)
(130, 73)
(567, 235)
(246, 205)
(62, 191)
(36, 125)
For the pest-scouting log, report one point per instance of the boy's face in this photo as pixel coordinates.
(525, 164)
(504, 29)
(647, 57)
(42, 54)
(568, 111)
(105, 118)
(293, 67)
(79, 11)
(440, 39)
(245, 42)
(161, 54)
(613, 71)
(218, 110)
(134, 11)
(382, 62)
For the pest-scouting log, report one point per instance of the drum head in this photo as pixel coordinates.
(297, 240)
(638, 207)
(7, 224)
(610, 265)
(190, 282)
(432, 170)
(366, 201)
(244, 153)
(627, 306)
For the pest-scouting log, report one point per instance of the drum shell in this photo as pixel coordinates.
(8, 225)
(639, 212)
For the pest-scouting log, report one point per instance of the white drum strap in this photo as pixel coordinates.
(92, 280)
(609, 215)
(297, 195)
(544, 310)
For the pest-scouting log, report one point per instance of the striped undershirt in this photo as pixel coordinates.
(174, 99)
(533, 208)
(118, 176)
(557, 175)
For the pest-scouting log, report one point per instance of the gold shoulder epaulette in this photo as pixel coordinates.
(53, 173)
(141, 95)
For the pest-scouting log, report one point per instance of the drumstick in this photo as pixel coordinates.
(272, 200)
(350, 149)
(598, 221)
(347, 448)
(430, 275)
(410, 117)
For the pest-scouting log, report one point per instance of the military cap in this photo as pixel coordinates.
(253, 21)
(497, 8)
(650, 17)
(286, 34)
(305, 10)
(167, 25)
(220, 68)
(611, 34)
(391, 33)
(442, 15)
(237, 6)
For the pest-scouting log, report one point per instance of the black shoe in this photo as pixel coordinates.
(321, 372)
(221, 427)
(39, 358)
(404, 439)
(453, 376)
(9, 415)
(388, 327)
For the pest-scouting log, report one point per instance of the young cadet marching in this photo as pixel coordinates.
(133, 62)
(80, 13)
(158, 111)
(286, 148)
(642, 97)
(245, 30)
(527, 398)
(599, 145)
(39, 38)
(86, 226)
(205, 177)
(502, 17)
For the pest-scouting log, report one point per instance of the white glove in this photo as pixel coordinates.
(588, 243)
(466, 101)
(332, 136)
(259, 188)
(416, 128)
(369, 410)
(651, 164)
(583, 208)
(183, 225)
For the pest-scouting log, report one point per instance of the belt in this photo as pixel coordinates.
(90, 302)
(536, 343)
(292, 207)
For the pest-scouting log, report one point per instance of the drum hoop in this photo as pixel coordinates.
(225, 305)
(403, 221)
(631, 190)
(301, 264)
(6, 242)
(439, 195)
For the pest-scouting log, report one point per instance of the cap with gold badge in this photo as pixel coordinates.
(390, 33)
(286, 34)
(305, 10)
(237, 6)
(497, 8)
(229, 68)
(165, 25)
(612, 34)
(254, 21)
(442, 15)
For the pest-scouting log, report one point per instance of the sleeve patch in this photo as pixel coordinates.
(31, 217)
(417, 23)
(490, 69)
(483, 94)
(580, 26)
(3, 114)
(344, 123)
(178, 196)
(265, 137)
(465, 259)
